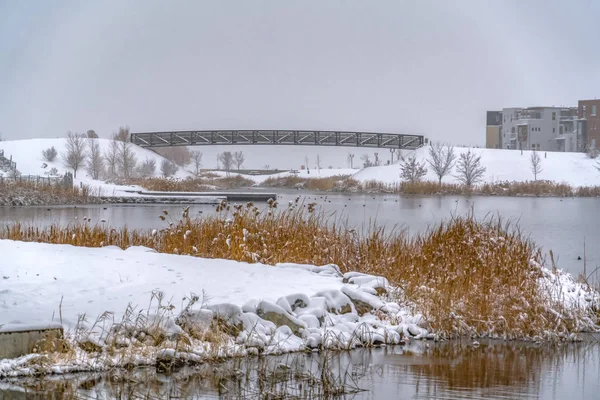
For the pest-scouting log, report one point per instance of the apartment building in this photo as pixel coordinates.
(542, 128)
(588, 112)
(493, 130)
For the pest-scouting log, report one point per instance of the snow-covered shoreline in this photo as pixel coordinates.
(131, 297)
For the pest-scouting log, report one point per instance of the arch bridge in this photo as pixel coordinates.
(279, 137)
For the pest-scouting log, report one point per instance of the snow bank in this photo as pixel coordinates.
(575, 169)
(126, 296)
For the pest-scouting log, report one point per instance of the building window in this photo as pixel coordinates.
(553, 116)
(553, 130)
(593, 110)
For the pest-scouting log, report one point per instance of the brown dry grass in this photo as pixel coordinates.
(464, 275)
(505, 188)
(26, 192)
(192, 184)
(320, 184)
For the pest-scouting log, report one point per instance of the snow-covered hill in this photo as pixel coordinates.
(575, 169)
(27, 153)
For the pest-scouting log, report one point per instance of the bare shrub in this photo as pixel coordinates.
(168, 168)
(226, 159)
(441, 159)
(122, 135)
(411, 170)
(536, 164)
(196, 156)
(95, 161)
(49, 154)
(126, 159)
(239, 158)
(147, 168)
(179, 155)
(111, 158)
(366, 160)
(75, 152)
(469, 169)
(592, 152)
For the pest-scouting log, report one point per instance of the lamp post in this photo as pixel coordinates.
(392, 151)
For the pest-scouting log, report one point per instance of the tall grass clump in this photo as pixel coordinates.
(320, 184)
(465, 276)
(31, 192)
(192, 184)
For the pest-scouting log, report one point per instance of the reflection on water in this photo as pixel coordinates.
(513, 370)
(420, 370)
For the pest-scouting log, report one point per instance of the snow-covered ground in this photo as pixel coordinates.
(575, 169)
(268, 309)
(277, 309)
(27, 153)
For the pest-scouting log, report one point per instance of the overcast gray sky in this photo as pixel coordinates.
(416, 66)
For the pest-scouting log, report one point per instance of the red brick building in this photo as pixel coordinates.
(590, 111)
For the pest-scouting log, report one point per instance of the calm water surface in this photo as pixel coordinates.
(560, 225)
(419, 370)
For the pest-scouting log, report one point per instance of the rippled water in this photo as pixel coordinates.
(557, 224)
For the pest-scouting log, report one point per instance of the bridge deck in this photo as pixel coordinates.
(278, 137)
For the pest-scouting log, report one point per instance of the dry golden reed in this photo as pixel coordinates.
(465, 275)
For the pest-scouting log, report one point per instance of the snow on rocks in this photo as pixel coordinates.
(248, 308)
(569, 299)
(279, 316)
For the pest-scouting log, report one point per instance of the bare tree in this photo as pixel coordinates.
(91, 134)
(226, 159)
(411, 170)
(239, 159)
(168, 168)
(147, 168)
(111, 158)
(366, 160)
(318, 162)
(441, 159)
(196, 161)
(469, 169)
(74, 154)
(597, 165)
(180, 155)
(95, 161)
(49, 154)
(123, 135)
(126, 159)
(536, 164)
